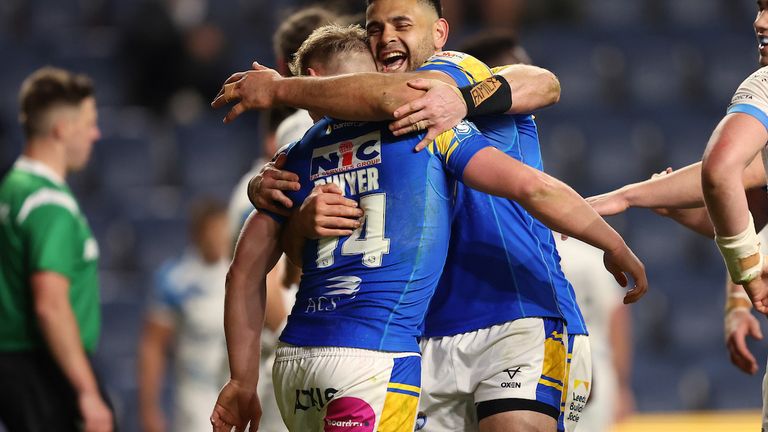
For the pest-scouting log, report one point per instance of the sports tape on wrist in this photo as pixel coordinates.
(742, 254)
(737, 300)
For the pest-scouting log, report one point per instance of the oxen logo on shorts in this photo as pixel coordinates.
(349, 414)
(346, 155)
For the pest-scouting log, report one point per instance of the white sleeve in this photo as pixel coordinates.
(293, 128)
(751, 97)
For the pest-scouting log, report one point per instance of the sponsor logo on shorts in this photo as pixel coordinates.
(347, 155)
(511, 374)
(349, 414)
(578, 401)
(315, 397)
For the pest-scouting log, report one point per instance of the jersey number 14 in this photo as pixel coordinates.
(373, 246)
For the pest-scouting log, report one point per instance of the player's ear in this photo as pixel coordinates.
(59, 126)
(312, 72)
(440, 33)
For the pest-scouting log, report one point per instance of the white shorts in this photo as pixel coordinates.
(328, 389)
(600, 412)
(579, 382)
(518, 365)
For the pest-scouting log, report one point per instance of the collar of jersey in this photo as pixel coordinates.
(38, 168)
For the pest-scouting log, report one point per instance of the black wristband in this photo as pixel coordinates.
(492, 95)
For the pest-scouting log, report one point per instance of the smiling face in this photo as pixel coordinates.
(761, 30)
(403, 34)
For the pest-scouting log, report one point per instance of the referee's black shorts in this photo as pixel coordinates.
(35, 395)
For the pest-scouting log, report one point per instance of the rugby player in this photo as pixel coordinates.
(283, 280)
(730, 180)
(376, 311)
(541, 290)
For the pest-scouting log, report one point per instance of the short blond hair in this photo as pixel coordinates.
(325, 43)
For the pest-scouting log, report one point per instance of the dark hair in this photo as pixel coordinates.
(48, 88)
(201, 212)
(493, 47)
(297, 28)
(437, 5)
(326, 42)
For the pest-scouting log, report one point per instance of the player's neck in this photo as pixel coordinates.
(48, 153)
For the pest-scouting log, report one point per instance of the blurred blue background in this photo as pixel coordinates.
(644, 83)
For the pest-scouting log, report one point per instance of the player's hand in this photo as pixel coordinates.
(619, 263)
(254, 89)
(440, 109)
(757, 289)
(97, 417)
(609, 204)
(265, 189)
(326, 213)
(740, 323)
(236, 407)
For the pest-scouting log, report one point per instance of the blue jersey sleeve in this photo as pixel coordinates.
(463, 68)
(457, 146)
(165, 295)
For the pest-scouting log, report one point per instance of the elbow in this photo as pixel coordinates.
(46, 309)
(233, 275)
(539, 189)
(717, 171)
(553, 87)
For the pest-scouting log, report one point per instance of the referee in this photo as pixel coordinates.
(49, 291)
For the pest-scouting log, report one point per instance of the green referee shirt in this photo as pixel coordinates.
(42, 229)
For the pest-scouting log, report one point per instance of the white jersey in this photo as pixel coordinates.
(189, 296)
(293, 128)
(598, 295)
(751, 98)
(239, 205)
(597, 292)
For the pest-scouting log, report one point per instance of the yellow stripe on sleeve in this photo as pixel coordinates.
(443, 143)
(475, 70)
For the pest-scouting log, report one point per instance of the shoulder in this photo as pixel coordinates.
(753, 89)
(751, 97)
(446, 61)
(454, 57)
(171, 274)
(46, 201)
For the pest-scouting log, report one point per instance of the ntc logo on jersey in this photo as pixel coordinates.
(347, 155)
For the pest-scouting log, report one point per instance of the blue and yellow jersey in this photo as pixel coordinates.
(371, 290)
(502, 263)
